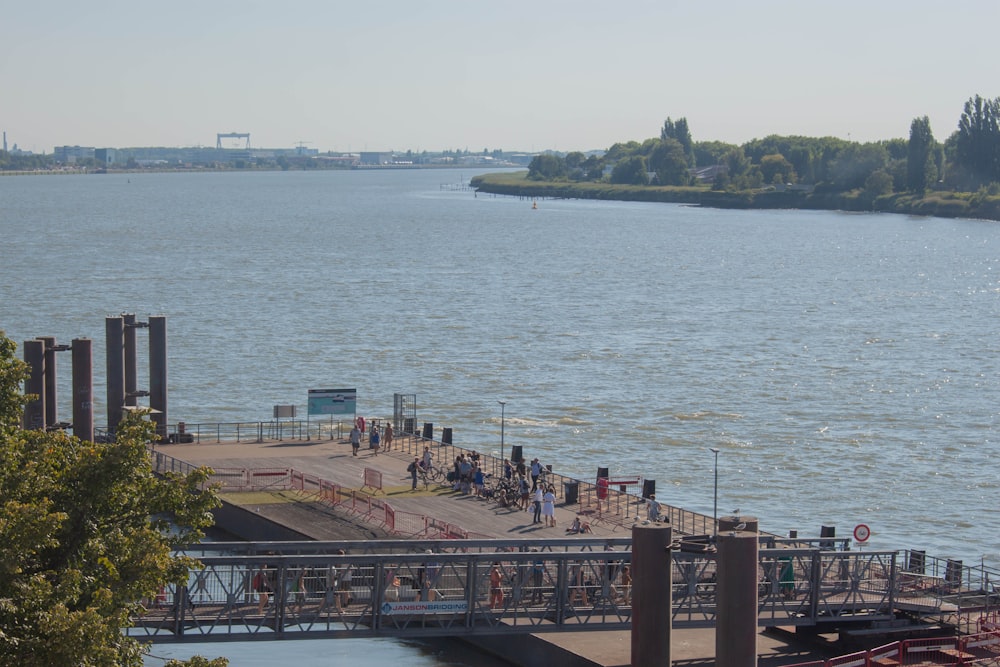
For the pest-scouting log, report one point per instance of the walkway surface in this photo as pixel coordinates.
(332, 460)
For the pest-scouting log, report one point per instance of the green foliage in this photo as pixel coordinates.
(921, 170)
(707, 153)
(18, 162)
(878, 183)
(198, 661)
(547, 167)
(86, 532)
(630, 171)
(977, 142)
(776, 169)
(679, 132)
(669, 162)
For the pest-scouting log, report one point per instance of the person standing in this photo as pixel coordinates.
(653, 510)
(524, 489)
(549, 507)
(355, 439)
(496, 586)
(375, 440)
(387, 437)
(413, 468)
(345, 583)
(428, 459)
(536, 470)
(537, 502)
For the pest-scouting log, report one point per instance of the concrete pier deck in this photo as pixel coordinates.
(332, 460)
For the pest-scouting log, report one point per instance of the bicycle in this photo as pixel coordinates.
(431, 475)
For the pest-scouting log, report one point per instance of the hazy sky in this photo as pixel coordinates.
(514, 74)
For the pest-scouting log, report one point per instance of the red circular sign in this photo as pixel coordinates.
(862, 532)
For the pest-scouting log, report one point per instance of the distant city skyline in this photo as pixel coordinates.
(516, 76)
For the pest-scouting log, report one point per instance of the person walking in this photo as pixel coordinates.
(536, 470)
(387, 437)
(375, 440)
(355, 439)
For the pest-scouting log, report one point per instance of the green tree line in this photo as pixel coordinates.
(969, 159)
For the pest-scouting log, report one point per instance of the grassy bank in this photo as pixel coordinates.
(940, 204)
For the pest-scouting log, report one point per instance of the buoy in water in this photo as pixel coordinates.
(534, 205)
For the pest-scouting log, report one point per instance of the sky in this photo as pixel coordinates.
(516, 75)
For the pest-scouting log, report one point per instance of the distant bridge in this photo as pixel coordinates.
(284, 590)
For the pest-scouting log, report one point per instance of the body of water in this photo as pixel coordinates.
(846, 366)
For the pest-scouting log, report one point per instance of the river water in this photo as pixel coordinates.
(846, 366)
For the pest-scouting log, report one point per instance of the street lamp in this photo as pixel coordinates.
(503, 404)
(715, 495)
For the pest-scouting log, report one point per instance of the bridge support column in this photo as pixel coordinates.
(736, 595)
(651, 595)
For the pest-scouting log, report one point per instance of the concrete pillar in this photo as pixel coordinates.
(129, 356)
(51, 389)
(114, 330)
(83, 388)
(736, 596)
(651, 595)
(34, 411)
(158, 373)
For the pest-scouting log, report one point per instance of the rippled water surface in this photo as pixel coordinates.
(845, 365)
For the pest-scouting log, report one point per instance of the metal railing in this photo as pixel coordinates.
(454, 587)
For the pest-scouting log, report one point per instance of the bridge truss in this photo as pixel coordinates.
(472, 587)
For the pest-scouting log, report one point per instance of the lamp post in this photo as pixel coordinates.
(503, 405)
(715, 495)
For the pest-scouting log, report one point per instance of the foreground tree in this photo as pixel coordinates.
(86, 532)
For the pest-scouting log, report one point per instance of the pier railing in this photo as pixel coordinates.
(462, 587)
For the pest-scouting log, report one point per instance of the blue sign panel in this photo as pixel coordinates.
(333, 401)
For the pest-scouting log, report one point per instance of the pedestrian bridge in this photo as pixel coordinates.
(407, 588)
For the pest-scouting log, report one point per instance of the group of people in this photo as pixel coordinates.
(467, 474)
(376, 440)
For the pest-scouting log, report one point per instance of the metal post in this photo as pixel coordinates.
(129, 355)
(114, 330)
(715, 495)
(34, 411)
(83, 388)
(51, 384)
(158, 373)
(503, 405)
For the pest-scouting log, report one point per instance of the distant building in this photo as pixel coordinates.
(70, 154)
(373, 158)
(106, 156)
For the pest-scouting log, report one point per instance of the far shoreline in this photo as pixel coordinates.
(941, 204)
